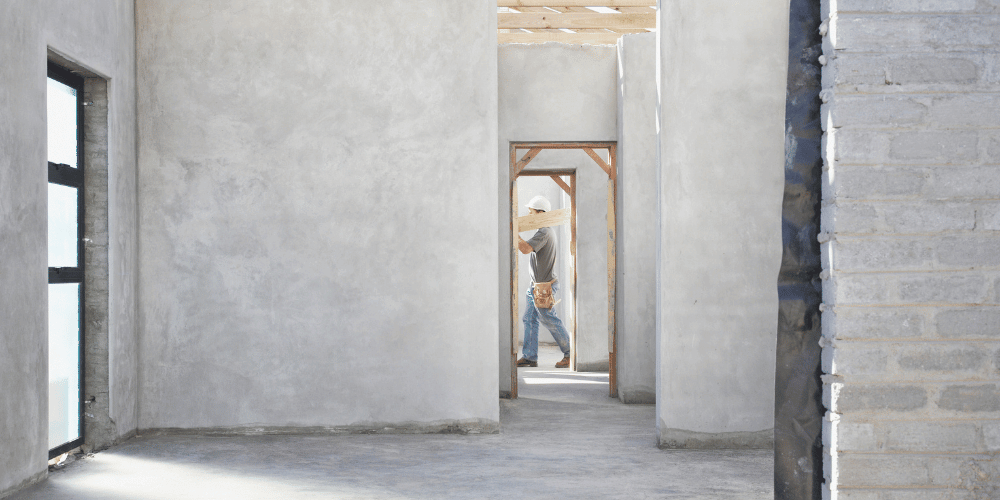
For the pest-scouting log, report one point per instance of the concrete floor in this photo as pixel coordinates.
(563, 438)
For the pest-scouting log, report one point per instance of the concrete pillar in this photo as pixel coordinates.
(721, 148)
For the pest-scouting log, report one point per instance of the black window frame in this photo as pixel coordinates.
(66, 175)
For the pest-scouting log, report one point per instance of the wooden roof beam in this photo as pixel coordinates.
(576, 3)
(576, 21)
(571, 38)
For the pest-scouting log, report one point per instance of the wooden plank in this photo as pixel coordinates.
(563, 145)
(562, 37)
(532, 153)
(575, 20)
(576, 3)
(514, 255)
(546, 172)
(601, 163)
(612, 278)
(572, 253)
(544, 219)
(561, 183)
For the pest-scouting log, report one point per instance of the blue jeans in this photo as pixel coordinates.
(532, 315)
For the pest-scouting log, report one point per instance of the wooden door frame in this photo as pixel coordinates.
(610, 168)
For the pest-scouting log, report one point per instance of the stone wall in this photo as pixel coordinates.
(911, 321)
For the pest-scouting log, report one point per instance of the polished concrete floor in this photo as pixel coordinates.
(563, 438)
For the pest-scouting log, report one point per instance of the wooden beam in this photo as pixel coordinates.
(574, 21)
(544, 219)
(571, 38)
(532, 153)
(562, 183)
(563, 144)
(575, 3)
(601, 163)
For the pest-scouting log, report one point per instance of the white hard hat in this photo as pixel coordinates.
(540, 203)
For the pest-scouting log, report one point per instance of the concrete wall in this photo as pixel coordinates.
(557, 92)
(637, 167)
(912, 92)
(722, 103)
(318, 218)
(98, 36)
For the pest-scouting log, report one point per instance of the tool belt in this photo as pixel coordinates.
(542, 292)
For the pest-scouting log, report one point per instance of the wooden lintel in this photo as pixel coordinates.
(526, 159)
(601, 163)
(538, 20)
(560, 37)
(563, 145)
(562, 184)
(544, 219)
(575, 3)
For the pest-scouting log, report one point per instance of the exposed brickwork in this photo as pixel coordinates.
(911, 249)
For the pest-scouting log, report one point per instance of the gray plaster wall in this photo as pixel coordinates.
(909, 241)
(638, 218)
(98, 36)
(318, 218)
(559, 92)
(722, 70)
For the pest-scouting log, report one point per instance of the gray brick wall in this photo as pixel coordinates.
(911, 249)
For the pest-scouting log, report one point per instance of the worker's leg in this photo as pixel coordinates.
(530, 320)
(555, 326)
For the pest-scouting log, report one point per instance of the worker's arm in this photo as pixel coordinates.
(523, 246)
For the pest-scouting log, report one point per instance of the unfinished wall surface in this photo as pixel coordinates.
(559, 92)
(318, 218)
(722, 106)
(637, 237)
(98, 36)
(912, 148)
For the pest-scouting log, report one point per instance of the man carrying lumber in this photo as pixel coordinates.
(543, 249)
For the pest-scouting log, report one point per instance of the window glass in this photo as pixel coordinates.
(62, 123)
(63, 236)
(64, 363)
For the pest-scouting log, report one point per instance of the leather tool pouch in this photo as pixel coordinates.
(544, 298)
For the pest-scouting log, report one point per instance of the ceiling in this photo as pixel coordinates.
(573, 21)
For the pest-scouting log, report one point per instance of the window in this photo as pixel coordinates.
(65, 256)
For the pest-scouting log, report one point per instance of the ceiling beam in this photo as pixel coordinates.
(575, 21)
(576, 3)
(573, 38)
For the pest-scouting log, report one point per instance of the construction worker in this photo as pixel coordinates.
(543, 249)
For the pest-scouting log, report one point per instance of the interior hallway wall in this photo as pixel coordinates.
(638, 218)
(722, 68)
(558, 92)
(100, 37)
(318, 219)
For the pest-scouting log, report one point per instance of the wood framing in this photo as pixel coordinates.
(610, 168)
(576, 3)
(575, 20)
(574, 38)
(562, 184)
(544, 219)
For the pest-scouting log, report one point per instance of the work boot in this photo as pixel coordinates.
(564, 363)
(527, 362)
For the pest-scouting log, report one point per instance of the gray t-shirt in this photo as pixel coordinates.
(543, 258)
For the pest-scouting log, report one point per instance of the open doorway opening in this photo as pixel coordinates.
(604, 156)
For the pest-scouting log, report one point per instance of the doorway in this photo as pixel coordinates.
(604, 155)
